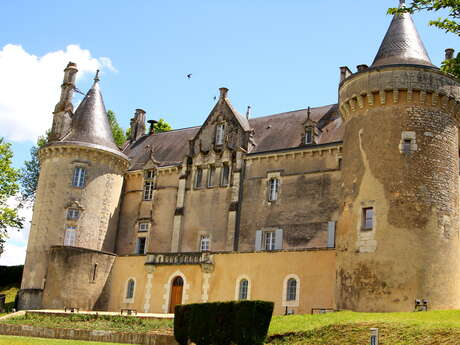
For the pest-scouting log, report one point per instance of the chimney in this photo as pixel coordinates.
(344, 73)
(152, 126)
(362, 68)
(137, 125)
(449, 53)
(248, 112)
(223, 92)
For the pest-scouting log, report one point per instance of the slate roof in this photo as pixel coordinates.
(402, 44)
(274, 132)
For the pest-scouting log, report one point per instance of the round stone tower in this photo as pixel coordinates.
(75, 214)
(398, 233)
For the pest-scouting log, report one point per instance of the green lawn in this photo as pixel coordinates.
(102, 322)
(10, 340)
(349, 328)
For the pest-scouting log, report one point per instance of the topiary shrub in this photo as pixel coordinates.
(223, 323)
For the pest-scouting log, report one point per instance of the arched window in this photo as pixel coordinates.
(243, 290)
(130, 289)
(291, 289)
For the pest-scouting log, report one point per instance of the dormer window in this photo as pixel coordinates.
(309, 133)
(220, 132)
(148, 185)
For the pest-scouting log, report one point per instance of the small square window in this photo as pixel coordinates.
(144, 227)
(73, 213)
(368, 218)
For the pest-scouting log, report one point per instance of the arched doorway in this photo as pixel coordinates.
(176, 293)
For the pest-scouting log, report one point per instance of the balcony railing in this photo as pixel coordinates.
(196, 258)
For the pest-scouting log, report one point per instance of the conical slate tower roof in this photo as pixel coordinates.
(402, 44)
(90, 123)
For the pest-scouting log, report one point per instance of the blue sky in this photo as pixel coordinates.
(273, 55)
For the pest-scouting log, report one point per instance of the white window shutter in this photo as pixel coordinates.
(258, 240)
(279, 239)
(331, 234)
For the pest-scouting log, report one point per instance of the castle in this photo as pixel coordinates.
(353, 205)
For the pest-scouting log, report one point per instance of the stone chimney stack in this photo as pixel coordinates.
(248, 112)
(449, 53)
(223, 92)
(362, 68)
(137, 125)
(63, 110)
(344, 73)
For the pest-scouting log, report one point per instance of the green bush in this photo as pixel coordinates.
(223, 323)
(11, 275)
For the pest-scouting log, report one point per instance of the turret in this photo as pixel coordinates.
(62, 115)
(75, 215)
(398, 231)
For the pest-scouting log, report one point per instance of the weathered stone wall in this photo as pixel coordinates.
(97, 201)
(308, 198)
(70, 275)
(267, 274)
(413, 249)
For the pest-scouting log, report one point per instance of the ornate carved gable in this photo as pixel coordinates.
(223, 129)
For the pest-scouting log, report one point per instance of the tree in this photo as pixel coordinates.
(9, 176)
(450, 24)
(159, 127)
(117, 131)
(31, 170)
(162, 126)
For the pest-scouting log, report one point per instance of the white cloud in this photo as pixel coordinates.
(30, 87)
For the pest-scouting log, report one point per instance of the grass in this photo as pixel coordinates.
(349, 328)
(12, 340)
(10, 292)
(102, 322)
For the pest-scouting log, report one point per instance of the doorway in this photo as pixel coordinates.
(176, 293)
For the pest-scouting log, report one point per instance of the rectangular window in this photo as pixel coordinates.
(73, 213)
(368, 218)
(198, 177)
(220, 130)
(273, 192)
(78, 179)
(407, 145)
(70, 236)
(204, 243)
(269, 240)
(225, 175)
(144, 227)
(309, 136)
(140, 245)
(149, 174)
(148, 190)
(211, 173)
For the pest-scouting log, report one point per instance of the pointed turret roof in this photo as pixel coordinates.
(402, 44)
(90, 123)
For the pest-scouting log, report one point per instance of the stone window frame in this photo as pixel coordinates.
(408, 142)
(126, 299)
(142, 222)
(136, 248)
(238, 285)
(70, 213)
(202, 236)
(229, 169)
(221, 124)
(195, 177)
(309, 130)
(365, 226)
(211, 176)
(291, 303)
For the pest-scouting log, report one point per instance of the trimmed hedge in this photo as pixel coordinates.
(11, 275)
(223, 323)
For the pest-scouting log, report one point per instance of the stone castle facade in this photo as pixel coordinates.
(353, 205)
